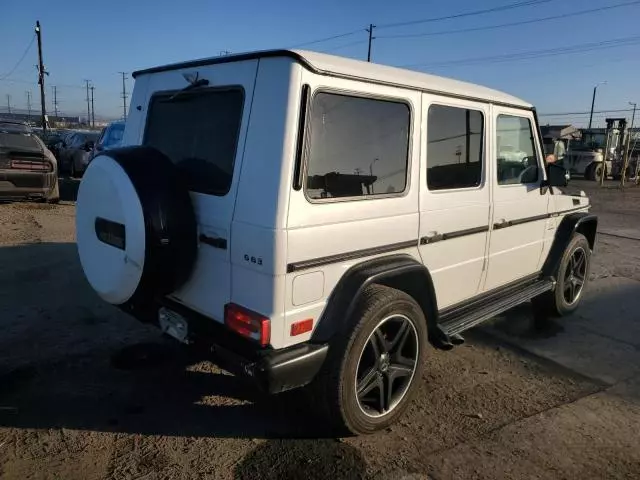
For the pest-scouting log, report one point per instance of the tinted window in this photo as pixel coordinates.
(198, 131)
(454, 147)
(18, 141)
(517, 161)
(358, 146)
(14, 127)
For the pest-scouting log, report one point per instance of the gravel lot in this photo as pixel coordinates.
(88, 393)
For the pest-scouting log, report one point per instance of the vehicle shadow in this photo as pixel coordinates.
(308, 459)
(67, 360)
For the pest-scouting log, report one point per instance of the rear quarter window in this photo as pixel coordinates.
(199, 132)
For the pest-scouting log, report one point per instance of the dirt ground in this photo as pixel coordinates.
(88, 393)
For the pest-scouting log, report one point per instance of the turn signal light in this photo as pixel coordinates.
(247, 323)
(303, 326)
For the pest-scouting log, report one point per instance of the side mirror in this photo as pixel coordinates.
(558, 176)
(88, 146)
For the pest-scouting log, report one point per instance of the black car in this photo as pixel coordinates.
(27, 168)
(76, 150)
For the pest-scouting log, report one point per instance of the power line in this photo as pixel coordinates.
(340, 47)
(583, 113)
(511, 24)
(510, 6)
(326, 39)
(15, 67)
(585, 47)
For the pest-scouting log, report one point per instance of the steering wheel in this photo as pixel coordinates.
(527, 174)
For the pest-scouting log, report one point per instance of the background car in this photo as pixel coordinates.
(27, 168)
(110, 137)
(75, 152)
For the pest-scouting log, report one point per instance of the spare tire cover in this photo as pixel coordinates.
(135, 226)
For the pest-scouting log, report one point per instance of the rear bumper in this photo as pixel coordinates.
(23, 184)
(274, 371)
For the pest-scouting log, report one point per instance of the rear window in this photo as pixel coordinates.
(199, 132)
(19, 141)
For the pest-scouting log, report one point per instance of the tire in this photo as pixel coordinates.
(558, 302)
(54, 195)
(145, 237)
(380, 316)
(597, 171)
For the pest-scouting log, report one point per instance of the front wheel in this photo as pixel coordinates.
(571, 280)
(371, 374)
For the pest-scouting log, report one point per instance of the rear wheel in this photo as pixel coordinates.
(370, 376)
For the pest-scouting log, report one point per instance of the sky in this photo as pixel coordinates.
(96, 40)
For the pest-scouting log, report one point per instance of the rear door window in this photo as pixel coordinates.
(358, 147)
(199, 132)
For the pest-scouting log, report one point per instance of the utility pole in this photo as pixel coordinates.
(124, 95)
(625, 164)
(86, 82)
(93, 110)
(29, 104)
(41, 74)
(593, 102)
(55, 101)
(9, 104)
(371, 38)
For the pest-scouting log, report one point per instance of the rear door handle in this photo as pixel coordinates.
(502, 223)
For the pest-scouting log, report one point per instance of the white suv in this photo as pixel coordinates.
(317, 221)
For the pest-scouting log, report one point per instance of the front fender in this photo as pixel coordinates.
(579, 222)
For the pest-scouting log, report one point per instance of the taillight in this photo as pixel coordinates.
(247, 323)
(31, 165)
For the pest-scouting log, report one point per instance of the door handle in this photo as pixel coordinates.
(431, 237)
(216, 242)
(502, 223)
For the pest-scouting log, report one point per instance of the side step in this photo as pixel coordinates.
(457, 321)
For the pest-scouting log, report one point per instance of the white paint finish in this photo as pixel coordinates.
(372, 72)
(267, 170)
(262, 217)
(332, 274)
(136, 118)
(208, 289)
(107, 192)
(382, 73)
(307, 288)
(327, 228)
(264, 294)
(516, 251)
(457, 264)
(296, 314)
